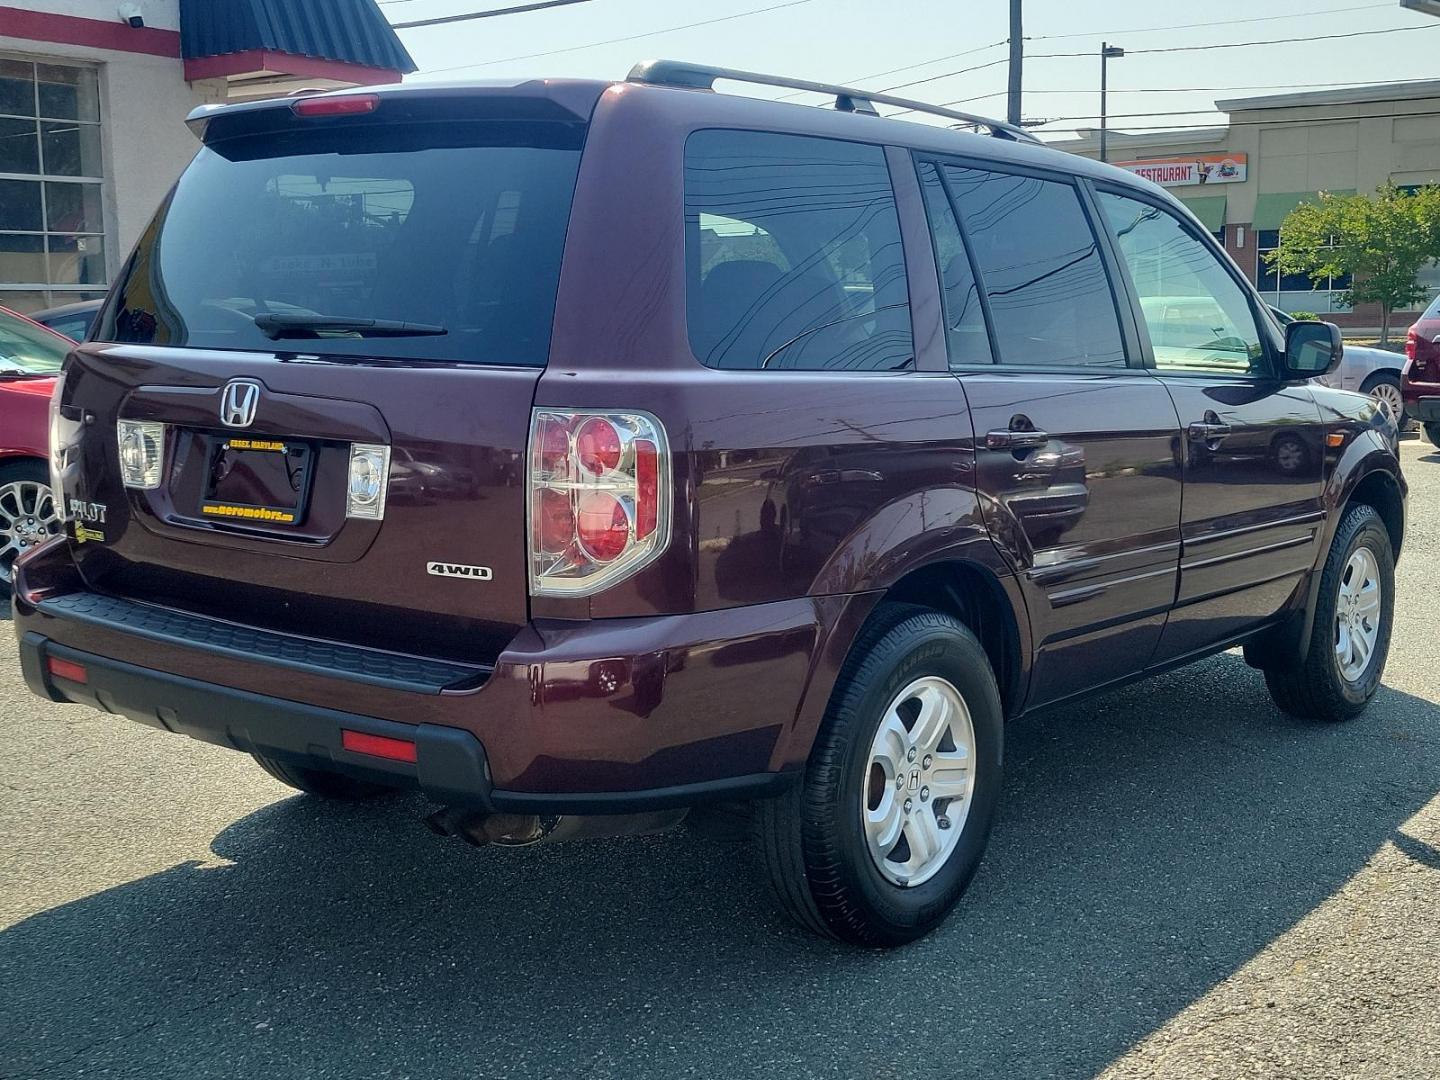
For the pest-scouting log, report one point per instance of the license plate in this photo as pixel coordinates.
(257, 481)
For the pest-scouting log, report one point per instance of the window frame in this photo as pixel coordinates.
(1264, 327)
(904, 200)
(62, 293)
(1130, 341)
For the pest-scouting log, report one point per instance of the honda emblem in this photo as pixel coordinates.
(238, 402)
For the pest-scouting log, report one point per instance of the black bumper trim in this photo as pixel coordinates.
(450, 767)
(1426, 409)
(172, 627)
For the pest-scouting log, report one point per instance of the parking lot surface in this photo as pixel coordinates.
(1184, 882)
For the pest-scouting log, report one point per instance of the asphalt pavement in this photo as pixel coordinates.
(1183, 882)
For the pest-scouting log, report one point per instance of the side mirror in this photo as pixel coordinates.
(1311, 349)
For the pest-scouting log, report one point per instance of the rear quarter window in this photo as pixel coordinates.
(793, 254)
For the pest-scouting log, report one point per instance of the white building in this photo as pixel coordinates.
(93, 95)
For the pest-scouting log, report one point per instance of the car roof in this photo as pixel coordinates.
(78, 308)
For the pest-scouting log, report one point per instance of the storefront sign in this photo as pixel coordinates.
(1200, 169)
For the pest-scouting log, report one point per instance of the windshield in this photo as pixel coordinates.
(458, 227)
(27, 349)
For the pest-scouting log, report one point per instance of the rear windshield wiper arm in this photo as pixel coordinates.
(275, 325)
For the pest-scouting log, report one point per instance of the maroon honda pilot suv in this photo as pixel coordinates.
(583, 453)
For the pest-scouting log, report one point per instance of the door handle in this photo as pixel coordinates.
(1010, 439)
(1207, 431)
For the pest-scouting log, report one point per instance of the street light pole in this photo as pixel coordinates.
(1017, 62)
(1108, 52)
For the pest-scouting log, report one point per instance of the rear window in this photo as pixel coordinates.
(26, 349)
(458, 226)
(794, 256)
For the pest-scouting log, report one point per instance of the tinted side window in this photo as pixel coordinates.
(1199, 319)
(964, 318)
(1050, 300)
(793, 247)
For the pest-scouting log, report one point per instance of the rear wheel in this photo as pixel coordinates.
(27, 511)
(884, 833)
(1432, 432)
(1351, 637)
(329, 785)
(1384, 389)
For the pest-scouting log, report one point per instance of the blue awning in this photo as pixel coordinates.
(341, 31)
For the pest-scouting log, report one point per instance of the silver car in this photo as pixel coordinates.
(1374, 372)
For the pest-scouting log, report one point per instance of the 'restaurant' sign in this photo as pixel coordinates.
(1199, 169)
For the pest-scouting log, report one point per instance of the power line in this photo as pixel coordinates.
(1247, 44)
(539, 5)
(903, 67)
(1197, 89)
(1163, 128)
(618, 40)
(1198, 26)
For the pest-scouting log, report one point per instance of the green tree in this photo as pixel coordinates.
(1380, 240)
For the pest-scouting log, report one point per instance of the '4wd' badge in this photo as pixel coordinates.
(445, 569)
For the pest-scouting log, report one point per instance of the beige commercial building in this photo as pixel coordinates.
(1241, 179)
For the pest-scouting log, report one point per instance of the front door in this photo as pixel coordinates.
(1253, 445)
(1076, 446)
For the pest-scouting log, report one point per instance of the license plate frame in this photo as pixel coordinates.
(258, 459)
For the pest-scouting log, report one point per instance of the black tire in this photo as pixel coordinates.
(1432, 432)
(1368, 388)
(1314, 688)
(328, 785)
(812, 839)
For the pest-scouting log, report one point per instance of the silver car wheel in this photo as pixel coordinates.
(919, 780)
(27, 518)
(1357, 614)
(1387, 396)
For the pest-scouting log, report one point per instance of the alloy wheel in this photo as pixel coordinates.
(1387, 396)
(919, 780)
(1357, 614)
(27, 518)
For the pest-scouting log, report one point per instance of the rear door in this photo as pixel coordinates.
(1254, 445)
(1076, 446)
(441, 219)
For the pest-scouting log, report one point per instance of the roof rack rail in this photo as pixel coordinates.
(847, 98)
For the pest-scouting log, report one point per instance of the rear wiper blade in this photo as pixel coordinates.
(275, 325)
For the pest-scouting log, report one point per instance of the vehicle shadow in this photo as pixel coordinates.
(1151, 842)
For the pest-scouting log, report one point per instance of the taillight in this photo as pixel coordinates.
(339, 105)
(599, 498)
(1421, 351)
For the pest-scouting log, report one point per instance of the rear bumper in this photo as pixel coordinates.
(1424, 407)
(450, 764)
(606, 716)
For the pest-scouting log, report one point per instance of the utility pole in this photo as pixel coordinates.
(1017, 64)
(1108, 52)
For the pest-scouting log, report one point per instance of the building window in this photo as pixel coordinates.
(1295, 292)
(52, 231)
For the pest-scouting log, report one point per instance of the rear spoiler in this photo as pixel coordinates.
(567, 101)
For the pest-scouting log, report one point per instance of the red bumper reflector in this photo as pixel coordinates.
(67, 669)
(376, 745)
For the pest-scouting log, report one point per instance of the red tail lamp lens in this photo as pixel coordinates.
(347, 105)
(552, 447)
(647, 488)
(361, 742)
(597, 445)
(68, 669)
(601, 525)
(554, 520)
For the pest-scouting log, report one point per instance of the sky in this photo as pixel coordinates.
(854, 41)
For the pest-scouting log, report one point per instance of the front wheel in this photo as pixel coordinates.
(884, 833)
(1384, 390)
(1351, 637)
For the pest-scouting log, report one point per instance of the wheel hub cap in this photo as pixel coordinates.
(1357, 614)
(919, 780)
(27, 518)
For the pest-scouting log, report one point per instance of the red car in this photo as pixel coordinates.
(1420, 385)
(30, 357)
